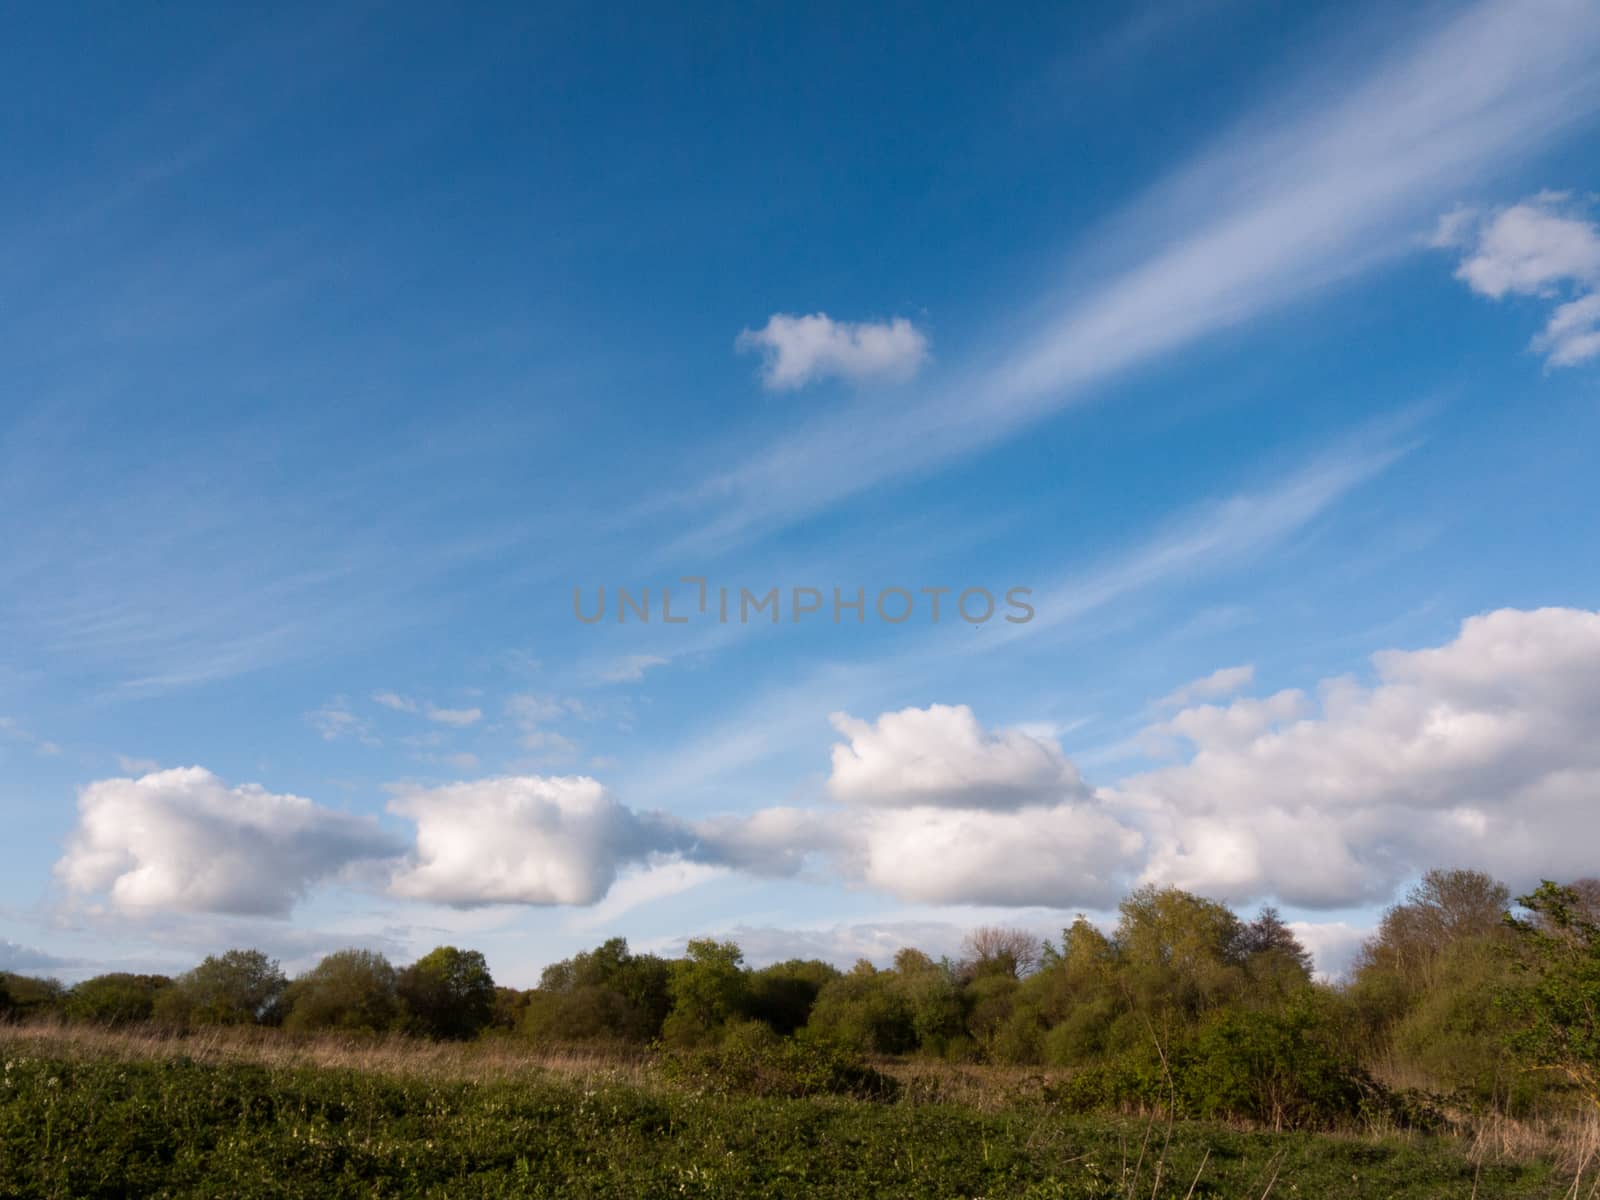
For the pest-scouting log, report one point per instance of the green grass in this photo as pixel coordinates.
(88, 1127)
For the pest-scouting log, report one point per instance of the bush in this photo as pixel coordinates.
(1271, 1067)
(116, 999)
(751, 1060)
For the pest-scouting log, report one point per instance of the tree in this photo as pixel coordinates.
(607, 993)
(1445, 907)
(1559, 1004)
(866, 1010)
(448, 993)
(1000, 950)
(115, 999)
(348, 989)
(29, 996)
(708, 987)
(241, 987)
(1273, 945)
(783, 994)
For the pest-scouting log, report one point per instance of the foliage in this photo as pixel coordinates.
(352, 990)
(709, 988)
(240, 987)
(751, 1060)
(783, 995)
(607, 994)
(28, 996)
(1276, 1068)
(447, 994)
(115, 999)
(165, 1128)
(1559, 1002)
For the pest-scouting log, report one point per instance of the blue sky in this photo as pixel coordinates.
(345, 343)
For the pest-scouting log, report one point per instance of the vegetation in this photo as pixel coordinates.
(1463, 1013)
(208, 1115)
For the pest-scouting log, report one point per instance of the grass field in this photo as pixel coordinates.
(87, 1113)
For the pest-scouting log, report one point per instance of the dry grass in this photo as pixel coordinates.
(480, 1061)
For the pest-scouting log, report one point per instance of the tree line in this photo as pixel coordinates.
(1459, 995)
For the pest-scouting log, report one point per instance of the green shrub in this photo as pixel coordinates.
(1276, 1068)
(751, 1060)
(115, 999)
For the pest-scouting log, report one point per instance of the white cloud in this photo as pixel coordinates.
(941, 756)
(524, 840)
(1333, 945)
(631, 668)
(460, 718)
(1544, 246)
(1224, 681)
(1061, 855)
(181, 840)
(934, 808)
(800, 350)
(550, 746)
(1480, 752)
(1572, 335)
(334, 720)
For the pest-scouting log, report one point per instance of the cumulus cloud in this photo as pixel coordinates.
(183, 841)
(800, 350)
(941, 756)
(1481, 751)
(525, 840)
(1544, 246)
(935, 808)
(1061, 855)
(1224, 681)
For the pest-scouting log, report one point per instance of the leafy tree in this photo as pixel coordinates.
(1445, 907)
(1178, 953)
(448, 993)
(115, 999)
(29, 996)
(1559, 1005)
(932, 998)
(784, 994)
(348, 989)
(240, 987)
(865, 1010)
(1267, 935)
(608, 994)
(709, 988)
